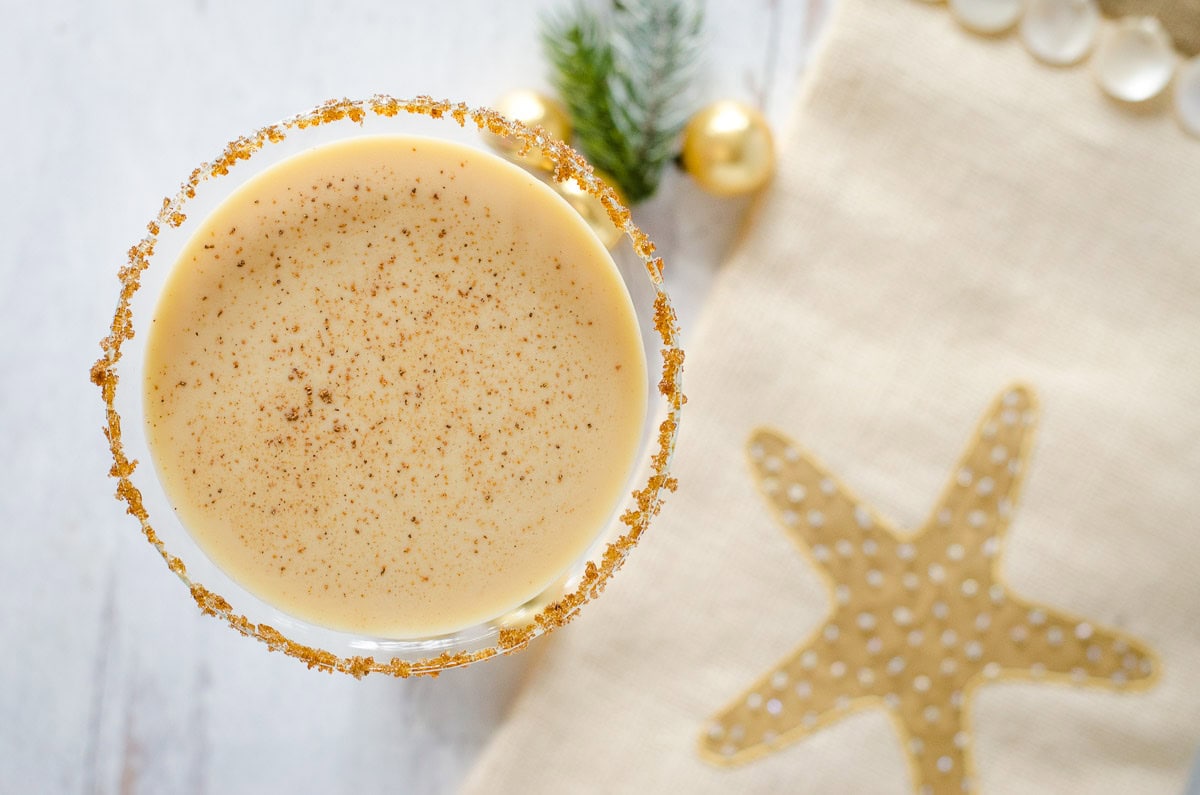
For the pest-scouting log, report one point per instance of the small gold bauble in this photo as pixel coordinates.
(591, 209)
(533, 109)
(727, 149)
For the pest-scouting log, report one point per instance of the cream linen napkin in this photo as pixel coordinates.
(949, 217)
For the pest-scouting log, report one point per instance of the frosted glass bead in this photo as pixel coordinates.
(1134, 62)
(986, 16)
(1187, 95)
(1060, 32)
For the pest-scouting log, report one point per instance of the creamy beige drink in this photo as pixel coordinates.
(394, 386)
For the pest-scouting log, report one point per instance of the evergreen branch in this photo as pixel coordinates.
(655, 48)
(624, 81)
(578, 51)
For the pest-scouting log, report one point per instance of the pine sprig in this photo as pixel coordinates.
(655, 49)
(625, 81)
(577, 46)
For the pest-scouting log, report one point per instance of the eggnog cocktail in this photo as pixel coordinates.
(394, 386)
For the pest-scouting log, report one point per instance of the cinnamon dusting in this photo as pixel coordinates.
(646, 501)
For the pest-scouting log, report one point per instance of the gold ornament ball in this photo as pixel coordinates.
(727, 149)
(591, 209)
(533, 109)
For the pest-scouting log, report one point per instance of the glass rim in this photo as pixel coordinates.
(471, 644)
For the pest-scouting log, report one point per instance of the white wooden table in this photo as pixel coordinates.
(110, 680)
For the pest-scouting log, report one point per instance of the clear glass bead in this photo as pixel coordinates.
(1060, 32)
(986, 16)
(1134, 62)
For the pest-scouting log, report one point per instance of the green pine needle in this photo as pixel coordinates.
(625, 81)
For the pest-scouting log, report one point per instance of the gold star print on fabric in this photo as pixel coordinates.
(919, 621)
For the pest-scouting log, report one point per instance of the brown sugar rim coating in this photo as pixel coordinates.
(568, 164)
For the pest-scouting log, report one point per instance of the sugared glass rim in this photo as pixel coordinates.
(595, 573)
